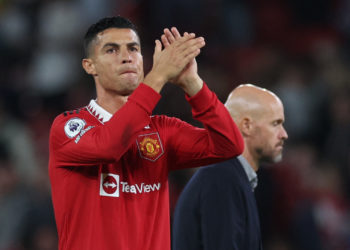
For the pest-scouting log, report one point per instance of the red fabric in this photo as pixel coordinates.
(110, 181)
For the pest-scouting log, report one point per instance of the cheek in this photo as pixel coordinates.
(140, 62)
(103, 66)
(140, 66)
(267, 138)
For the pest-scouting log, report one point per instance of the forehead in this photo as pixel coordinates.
(273, 110)
(116, 35)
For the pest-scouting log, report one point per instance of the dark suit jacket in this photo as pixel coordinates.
(217, 211)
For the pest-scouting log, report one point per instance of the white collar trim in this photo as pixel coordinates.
(100, 113)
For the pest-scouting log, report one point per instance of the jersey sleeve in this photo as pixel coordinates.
(220, 138)
(105, 143)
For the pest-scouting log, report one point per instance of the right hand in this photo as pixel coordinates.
(168, 63)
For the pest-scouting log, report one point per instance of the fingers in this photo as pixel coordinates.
(165, 41)
(189, 50)
(192, 55)
(177, 53)
(158, 47)
(170, 37)
(187, 47)
(175, 32)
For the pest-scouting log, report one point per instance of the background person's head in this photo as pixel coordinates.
(259, 114)
(113, 56)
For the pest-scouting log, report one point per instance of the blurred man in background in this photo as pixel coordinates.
(217, 209)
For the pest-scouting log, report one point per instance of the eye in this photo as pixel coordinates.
(134, 49)
(276, 123)
(111, 50)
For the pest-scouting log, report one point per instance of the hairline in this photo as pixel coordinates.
(88, 48)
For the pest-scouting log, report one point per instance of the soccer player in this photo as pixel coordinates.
(109, 161)
(217, 208)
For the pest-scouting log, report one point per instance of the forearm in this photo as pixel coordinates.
(108, 142)
(224, 136)
(219, 140)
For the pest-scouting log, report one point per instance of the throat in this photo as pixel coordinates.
(112, 104)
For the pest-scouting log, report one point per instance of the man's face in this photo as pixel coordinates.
(117, 60)
(269, 134)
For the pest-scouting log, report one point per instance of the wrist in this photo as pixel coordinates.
(154, 81)
(192, 86)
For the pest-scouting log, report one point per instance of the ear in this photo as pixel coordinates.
(89, 66)
(246, 126)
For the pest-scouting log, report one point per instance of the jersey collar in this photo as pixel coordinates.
(251, 174)
(100, 113)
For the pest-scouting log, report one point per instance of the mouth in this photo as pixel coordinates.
(128, 71)
(280, 145)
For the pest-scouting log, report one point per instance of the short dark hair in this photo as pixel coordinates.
(103, 24)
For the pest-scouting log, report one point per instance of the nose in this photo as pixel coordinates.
(283, 134)
(126, 57)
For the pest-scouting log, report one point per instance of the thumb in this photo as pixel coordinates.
(158, 47)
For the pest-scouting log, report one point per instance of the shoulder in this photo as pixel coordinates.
(214, 183)
(225, 169)
(69, 115)
(66, 115)
(220, 176)
(70, 123)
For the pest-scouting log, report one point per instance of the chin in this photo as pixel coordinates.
(134, 84)
(277, 158)
(129, 89)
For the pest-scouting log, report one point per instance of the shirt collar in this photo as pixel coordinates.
(252, 176)
(100, 113)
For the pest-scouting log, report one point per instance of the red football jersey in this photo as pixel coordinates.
(109, 173)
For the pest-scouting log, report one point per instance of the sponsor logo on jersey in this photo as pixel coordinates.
(150, 146)
(110, 185)
(73, 127)
(139, 188)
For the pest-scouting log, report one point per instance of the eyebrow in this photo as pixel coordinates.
(118, 45)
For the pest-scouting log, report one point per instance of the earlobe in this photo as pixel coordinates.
(88, 66)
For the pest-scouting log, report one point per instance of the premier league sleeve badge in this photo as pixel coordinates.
(73, 127)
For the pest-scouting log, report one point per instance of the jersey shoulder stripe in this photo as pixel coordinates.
(74, 111)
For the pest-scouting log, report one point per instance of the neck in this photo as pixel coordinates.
(249, 157)
(111, 103)
(109, 100)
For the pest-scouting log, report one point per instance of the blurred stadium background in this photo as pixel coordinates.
(297, 48)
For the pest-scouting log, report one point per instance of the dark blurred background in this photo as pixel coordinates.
(297, 48)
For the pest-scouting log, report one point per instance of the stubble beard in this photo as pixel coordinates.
(268, 157)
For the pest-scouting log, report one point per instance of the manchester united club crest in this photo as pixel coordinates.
(150, 146)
